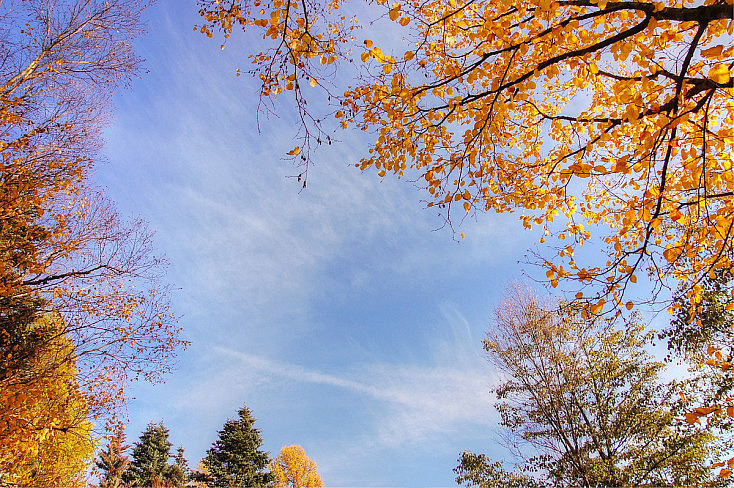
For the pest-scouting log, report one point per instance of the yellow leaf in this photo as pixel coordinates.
(720, 74)
(313, 82)
(629, 305)
(295, 151)
(408, 55)
(670, 254)
(467, 207)
(394, 12)
(404, 21)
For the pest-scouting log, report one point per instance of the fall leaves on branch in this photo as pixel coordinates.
(66, 256)
(601, 120)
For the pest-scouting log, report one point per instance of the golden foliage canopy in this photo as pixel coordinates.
(45, 434)
(604, 120)
(294, 469)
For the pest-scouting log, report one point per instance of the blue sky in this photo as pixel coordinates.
(343, 315)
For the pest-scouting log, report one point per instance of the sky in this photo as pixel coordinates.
(345, 316)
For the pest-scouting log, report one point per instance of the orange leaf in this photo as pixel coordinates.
(692, 417)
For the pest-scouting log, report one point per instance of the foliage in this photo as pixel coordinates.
(113, 461)
(478, 470)
(597, 119)
(180, 472)
(293, 469)
(586, 400)
(706, 318)
(45, 435)
(63, 247)
(235, 458)
(705, 338)
(149, 466)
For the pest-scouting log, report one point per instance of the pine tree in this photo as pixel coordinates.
(149, 466)
(235, 459)
(113, 462)
(179, 473)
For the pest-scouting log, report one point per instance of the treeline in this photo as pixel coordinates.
(83, 305)
(235, 459)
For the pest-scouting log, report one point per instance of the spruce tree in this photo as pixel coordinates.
(179, 473)
(113, 462)
(149, 466)
(235, 459)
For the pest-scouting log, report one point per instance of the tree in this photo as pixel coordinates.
(180, 472)
(235, 459)
(63, 246)
(113, 462)
(583, 402)
(46, 438)
(149, 466)
(293, 469)
(603, 120)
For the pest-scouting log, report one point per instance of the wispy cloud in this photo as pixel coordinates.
(418, 401)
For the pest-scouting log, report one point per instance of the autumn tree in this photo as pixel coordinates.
(63, 246)
(113, 461)
(46, 437)
(235, 458)
(607, 121)
(584, 403)
(294, 469)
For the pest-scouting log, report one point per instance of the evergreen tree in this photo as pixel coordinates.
(149, 466)
(179, 473)
(235, 459)
(113, 462)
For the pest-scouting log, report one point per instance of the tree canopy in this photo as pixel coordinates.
(235, 458)
(46, 436)
(294, 469)
(64, 248)
(584, 405)
(150, 466)
(600, 120)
